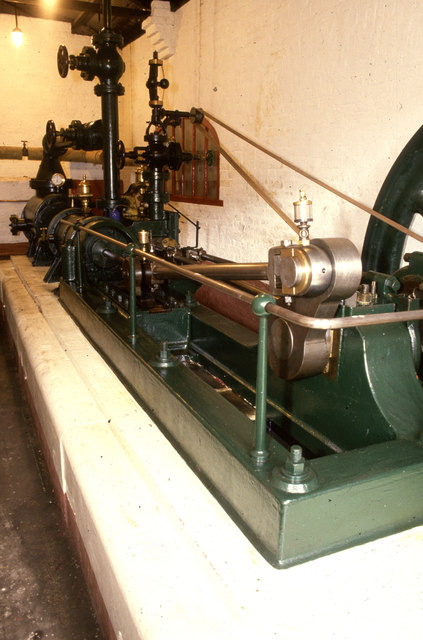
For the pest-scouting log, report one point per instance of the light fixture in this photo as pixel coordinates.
(17, 35)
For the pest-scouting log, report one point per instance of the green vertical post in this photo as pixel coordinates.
(259, 452)
(132, 295)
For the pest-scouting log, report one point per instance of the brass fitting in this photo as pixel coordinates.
(299, 270)
(303, 216)
(85, 194)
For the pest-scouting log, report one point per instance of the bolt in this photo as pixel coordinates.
(296, 475)
(295, 463)
(296, 453)
(164, 351)
(364, 297)
(165, 358)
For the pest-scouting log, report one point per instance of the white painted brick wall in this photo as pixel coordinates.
(33, 92)
(332, 85)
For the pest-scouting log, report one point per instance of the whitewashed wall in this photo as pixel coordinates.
(333, 85)
(32, 93)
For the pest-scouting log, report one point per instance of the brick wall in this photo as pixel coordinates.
(331, 85)
(33, 92)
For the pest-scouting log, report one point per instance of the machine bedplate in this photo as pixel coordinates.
(361, 495)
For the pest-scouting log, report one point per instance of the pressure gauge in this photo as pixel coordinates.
(57, 179)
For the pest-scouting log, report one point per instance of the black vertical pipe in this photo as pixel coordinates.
(110, 67)
(109, 114)
(106, 63)
(107, 14)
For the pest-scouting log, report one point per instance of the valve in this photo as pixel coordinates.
(17, 225)
(120, 155)
(62, 61)
(103, 61)
(106, 63)
(78, 135)
(65, 61)
(51, 135)
(176, 156)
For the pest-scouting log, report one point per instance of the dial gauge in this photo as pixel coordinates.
(58, 179)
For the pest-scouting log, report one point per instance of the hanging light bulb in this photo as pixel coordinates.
(17, 35)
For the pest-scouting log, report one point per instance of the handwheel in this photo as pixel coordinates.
(50, 134)
(120, 158)
(63, 61)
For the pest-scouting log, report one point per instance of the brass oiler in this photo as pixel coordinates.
(303, 216)
(85, 194)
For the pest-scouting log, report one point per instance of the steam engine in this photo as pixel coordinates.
(285, 384)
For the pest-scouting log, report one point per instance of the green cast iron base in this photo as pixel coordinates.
(361, 494)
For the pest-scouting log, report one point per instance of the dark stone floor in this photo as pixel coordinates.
(42, 591)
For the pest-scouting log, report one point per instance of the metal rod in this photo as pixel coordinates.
(250, 180)
(344, 323)
(192, 275)
(107, 14)
(247, 286)
(195, 224)
(274, 309)
(309, 176)
(132, 297)
(259, 452)
(197, 233)
(79, 258)
(228, 271)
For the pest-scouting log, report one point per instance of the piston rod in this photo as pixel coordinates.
(274, 309)
(222, 271)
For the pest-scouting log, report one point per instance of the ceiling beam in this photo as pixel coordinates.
(81, 6)
(82, 18)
